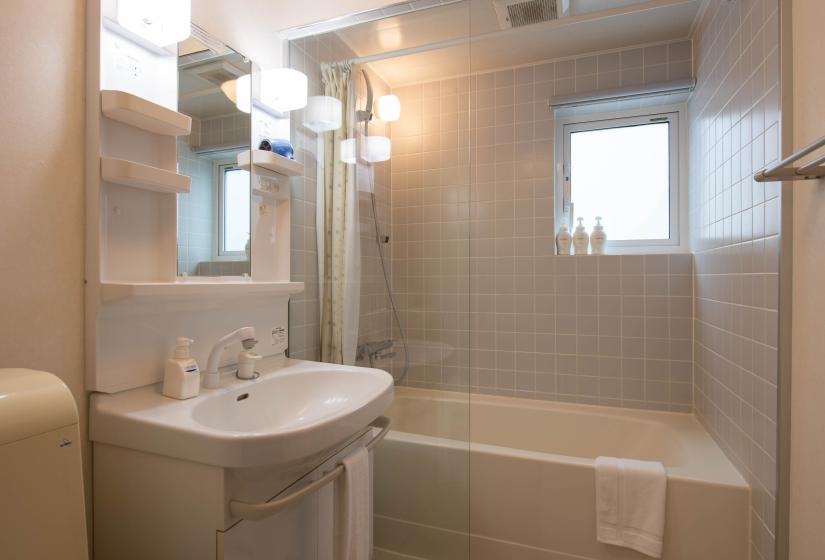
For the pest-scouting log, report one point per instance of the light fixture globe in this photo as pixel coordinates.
(283, 89)
(348, 151)
(377, 149)
(389, 108)
(323, 113)
(243, 93)
(159, 22)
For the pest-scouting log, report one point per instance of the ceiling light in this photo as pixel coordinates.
(160, 22)
(389, 108)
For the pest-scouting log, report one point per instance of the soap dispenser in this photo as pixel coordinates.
(182, 378)
(563, 240)
(598, 238)
(580, 239)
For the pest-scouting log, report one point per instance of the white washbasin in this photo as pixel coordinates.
(289, 414)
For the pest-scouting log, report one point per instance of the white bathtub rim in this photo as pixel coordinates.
(503, 400)
(734, 480)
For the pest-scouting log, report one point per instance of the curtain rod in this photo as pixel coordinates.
(685, 85)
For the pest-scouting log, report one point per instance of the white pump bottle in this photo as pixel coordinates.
(182, 378)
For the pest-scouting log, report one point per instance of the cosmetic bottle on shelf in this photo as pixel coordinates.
(563, 240)
(580, 239)
(598, 238)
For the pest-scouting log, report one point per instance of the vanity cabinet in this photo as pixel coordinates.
(152, 506)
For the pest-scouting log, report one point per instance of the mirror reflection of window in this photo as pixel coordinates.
(214, 217)
(234, 209)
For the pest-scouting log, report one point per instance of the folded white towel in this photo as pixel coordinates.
(354, 507)
(630, 504)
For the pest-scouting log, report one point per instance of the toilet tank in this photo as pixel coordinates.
(42, 513)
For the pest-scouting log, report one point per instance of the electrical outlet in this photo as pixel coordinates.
(129, 66)
(279, 336)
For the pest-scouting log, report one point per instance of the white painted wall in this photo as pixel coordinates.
(807, 517)
(42, 190)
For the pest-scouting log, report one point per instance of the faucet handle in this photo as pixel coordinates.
(248, 343)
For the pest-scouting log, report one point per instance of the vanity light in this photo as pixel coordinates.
(377, 149)
(389, 108)
(323, 113)
(160, 22)
(348, 150)
(283, 89)
(243, 93)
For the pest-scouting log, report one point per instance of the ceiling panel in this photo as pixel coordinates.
(622, 24)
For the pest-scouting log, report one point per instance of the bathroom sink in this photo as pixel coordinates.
(293, 411)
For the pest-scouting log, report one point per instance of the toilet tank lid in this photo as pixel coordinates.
(33, 402)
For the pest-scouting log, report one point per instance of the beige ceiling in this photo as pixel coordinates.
(595, 25)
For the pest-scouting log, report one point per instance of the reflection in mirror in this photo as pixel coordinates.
(214, 217)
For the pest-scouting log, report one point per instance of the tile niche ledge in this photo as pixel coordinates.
(196, 289)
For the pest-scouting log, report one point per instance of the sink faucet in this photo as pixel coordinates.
(212, 378)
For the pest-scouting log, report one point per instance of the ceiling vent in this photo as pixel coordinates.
(218, 72)
(516, 13)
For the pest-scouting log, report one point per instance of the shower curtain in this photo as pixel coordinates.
(337, 227)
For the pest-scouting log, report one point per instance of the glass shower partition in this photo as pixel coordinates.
(410, 174)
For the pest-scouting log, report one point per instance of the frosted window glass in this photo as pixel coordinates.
(235, 210)
(623, 175)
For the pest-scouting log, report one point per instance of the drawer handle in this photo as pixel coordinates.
(254, 512)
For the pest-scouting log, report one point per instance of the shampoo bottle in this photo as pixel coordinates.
(182, 378)
(598, 238)
(580, 239)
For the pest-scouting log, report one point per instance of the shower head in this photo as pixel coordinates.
(365, 116)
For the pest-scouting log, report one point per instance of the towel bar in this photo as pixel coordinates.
(254, 512)
(782, 172)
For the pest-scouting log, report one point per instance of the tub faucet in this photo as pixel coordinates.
(212, 378)
(374, 351)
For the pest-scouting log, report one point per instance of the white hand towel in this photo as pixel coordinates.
(354, 507)
(630, 504)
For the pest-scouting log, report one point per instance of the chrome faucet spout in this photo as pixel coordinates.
(212, 378)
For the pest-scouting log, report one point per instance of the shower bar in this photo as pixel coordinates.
(784, 170)
(260, 511)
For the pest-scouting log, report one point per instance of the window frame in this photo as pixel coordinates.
(221, 254)
(580, 122)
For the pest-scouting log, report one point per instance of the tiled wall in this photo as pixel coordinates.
(307, 55)
(472, 194)
(734, 224)
(196, 210)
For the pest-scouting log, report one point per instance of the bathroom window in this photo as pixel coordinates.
(625, 170)
(233, 210)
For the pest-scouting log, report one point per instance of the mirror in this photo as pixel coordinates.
(214, 217)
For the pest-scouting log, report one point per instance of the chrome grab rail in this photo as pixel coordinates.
(260, 511)
(782, 172)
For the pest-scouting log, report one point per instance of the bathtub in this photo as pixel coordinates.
(523, 487)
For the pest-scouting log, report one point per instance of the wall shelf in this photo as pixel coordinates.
(271, 162)
(142, 176)
(142, 113)
(196, 289)
(281, 194)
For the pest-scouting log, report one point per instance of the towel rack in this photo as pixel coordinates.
(784, 170)
(259, 511)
